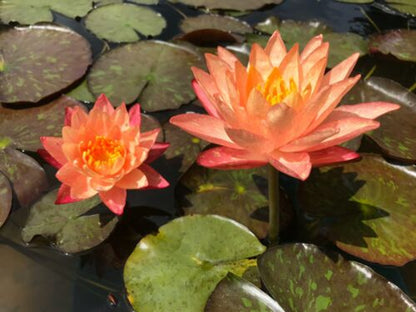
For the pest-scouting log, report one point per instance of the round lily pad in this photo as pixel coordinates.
(303, 278)
(157, 74)
(370, 213)
(33, 11)
(395, 141)
(404, 6)
(236, 5)
(121, 22)
(149, 123)
(72, 229)
(40, 61)
(400, 43)
(5, 199)
(356, 1)
(82, 93)
(23, 128)
(224, 23)
(177, 269)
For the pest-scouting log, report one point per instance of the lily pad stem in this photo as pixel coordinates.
(274, 211)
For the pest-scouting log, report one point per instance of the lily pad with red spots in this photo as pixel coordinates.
(400, 43)
(39, 61)
(5, 199)
(236, 5)
(223, 23)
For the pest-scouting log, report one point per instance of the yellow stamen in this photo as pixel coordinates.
(101, 153)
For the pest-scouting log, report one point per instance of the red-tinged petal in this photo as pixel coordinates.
(311, 46)
(135, 179)
(121, 117)
(248, 140)
(79, 183)
(49, 159)
(103, 104)
(155, 180)
(135, 116)
(315, 138)
(240, 77)
(148, 139)
(290, 66)
(68, 115)
(276, 49)
(341, 71)
(79, 117)
(114, 199)
(202, 97)
(260, 61)
(218, 69)
(296, 165)
(332, 155)
(64, 196)
(205, 127)
(314, 57)
(206, 82)
(229, 158)
(54, 147)
(369, 110)
(156, 151)
(227, 57)
(312, 79)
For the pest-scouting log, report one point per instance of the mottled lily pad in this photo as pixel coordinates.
(23, 128)
(149, 123)
(343, 45)
(5, 199)
(72, 230)
(121, 22)
(223, 23)
(234, 294)
(303, 278)
(400, 43)
(33, 11)
(236, 5)
(82, 93)
(156, 73)
(181, 265)
(395, 141)
(40, 61)
(366, 208)
(404, 6)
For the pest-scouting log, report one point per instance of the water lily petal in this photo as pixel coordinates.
(135, 179)
(103, 104)
(155, 180)
(260, 61)
(290, 66)
(218, 69)
(203, 98)
(276, 49)
(135, 116)
(148, 139)
(68, 115)
(53, 146)
(248, 140)
(297, 165)
(64, 196)
(227, 57)
(311, 46)
(316, 137)
(369, 110)
(332, 155)
(49, 159)
(121, 118)
(78, 118)
(156, 151)
(341, 71)
(114, 199)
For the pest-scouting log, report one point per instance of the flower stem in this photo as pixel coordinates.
(274, 211)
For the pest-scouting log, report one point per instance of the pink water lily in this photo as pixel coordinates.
(281, 109)
(103, 152)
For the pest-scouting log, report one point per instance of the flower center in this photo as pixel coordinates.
(102, 153)
(275, 89)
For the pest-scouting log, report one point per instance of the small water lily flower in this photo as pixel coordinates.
(103, 152)
(281, 109)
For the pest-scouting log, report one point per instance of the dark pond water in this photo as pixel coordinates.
(39, 279)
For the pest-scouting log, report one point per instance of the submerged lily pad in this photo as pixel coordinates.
(33, 11)
(404, 6)
(343, 45)
(224, 23)
(72, 229)
(5, 199)
(236, 5)
(400, 43)
(23, 128)
(121, 22)
(157, 74)
(180, 266)
(366, 208)
(303, 278)
(395, 141)
(40, 61)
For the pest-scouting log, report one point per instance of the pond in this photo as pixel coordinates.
(62, 261)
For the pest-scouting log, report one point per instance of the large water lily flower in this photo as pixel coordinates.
(103, 152)
(281, 109)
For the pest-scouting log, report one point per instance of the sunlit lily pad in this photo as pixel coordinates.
(72, 229)
(223, 23)
(5, 199)
(121, 22)
(366, 208)
(400, 43)
(303, 278)
(40, 61)
(395, 141)
(234, 294)
(236, 5)
(404, 6)
(33, 11)
(156, 73)
(180, 266)
(23, 128)
(342, 45)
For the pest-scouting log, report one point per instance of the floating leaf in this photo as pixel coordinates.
(156, 73)
(73, 230)
(366, 208)
(82, 93)
(180, 266)
(400, 43)
(145, 1)
(39, 61)
(121, 22)
(343, 45)
(397, 142)
(356, 1)
(404, 6)
(150, 123)
(223, 23)
(209, 37)
(33, 11)
(236, 5)
(5, 199)
(303, 278)
(28, 179)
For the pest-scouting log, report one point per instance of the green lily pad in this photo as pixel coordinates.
(40, 61)
(26, 176)
(404, 6)
(224, 23)
(365, 207)
(82, 93)
(33, 11)
(234, 294)
(121, 22)
(396, 142)
(303, 278)
(400, 43)
(235, 5)
(23, 128)
(5, 199)
(145, 1)
(177, 269)
(72, 229)
(157, 74)
(356, 1)
(149, 123)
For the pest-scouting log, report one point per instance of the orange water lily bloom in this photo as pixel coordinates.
(281, 109)
(103, 152)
